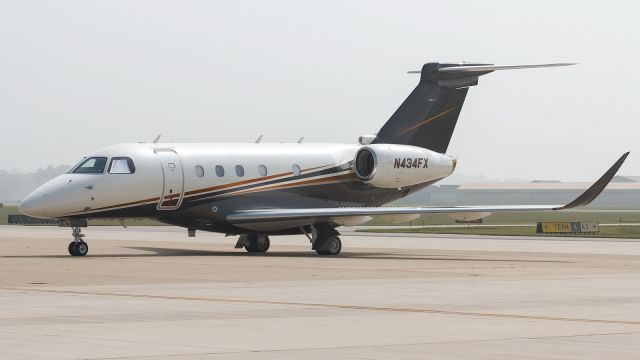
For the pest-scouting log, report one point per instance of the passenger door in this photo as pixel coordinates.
(173, 179)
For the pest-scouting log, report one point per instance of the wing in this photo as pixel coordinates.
(314, 215)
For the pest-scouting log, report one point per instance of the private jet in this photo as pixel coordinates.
(254, 190)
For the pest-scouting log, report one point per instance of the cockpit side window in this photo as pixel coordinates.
(92, 165)
(121, 165)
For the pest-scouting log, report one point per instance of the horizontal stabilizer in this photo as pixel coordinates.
(476, 68)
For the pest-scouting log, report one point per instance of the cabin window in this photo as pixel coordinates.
(239, 170)
(92, 165)
(199, 171)
(219, 170)
(121, 165)
(263, 170)
(295, 169)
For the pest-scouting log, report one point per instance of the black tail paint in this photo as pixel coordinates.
(428, 116)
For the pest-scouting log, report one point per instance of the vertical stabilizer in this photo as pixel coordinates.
(428, 117)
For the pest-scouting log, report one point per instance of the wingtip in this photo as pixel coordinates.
(621, 160)
(598, 187)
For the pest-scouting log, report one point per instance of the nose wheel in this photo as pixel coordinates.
(78, 247)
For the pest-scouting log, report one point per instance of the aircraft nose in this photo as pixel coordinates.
(35, 205)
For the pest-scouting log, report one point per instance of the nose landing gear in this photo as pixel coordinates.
(78, 247)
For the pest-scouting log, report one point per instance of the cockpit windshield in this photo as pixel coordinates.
(92, 165)
(121, 165)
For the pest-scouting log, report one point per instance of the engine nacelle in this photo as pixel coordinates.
(397, 166)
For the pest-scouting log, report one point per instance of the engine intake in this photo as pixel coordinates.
(365, 163)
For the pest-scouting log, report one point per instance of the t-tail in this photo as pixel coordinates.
(429, 115)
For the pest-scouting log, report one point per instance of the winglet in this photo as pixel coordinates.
(594, 190)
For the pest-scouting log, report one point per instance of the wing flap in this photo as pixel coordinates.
(245, 216)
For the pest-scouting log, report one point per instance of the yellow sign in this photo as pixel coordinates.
(556, 227)
(567, 227)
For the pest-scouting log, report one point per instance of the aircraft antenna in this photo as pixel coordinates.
(300, 140)
(259, 139)
(157, 139)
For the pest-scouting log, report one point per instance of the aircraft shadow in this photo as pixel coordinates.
(155, 252)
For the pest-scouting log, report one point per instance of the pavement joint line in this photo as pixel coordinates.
(419, 235)
(333, 306)
(298, 349)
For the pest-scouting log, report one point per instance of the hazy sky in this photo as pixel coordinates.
(79, 75)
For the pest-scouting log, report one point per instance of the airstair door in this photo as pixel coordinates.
(173, 176)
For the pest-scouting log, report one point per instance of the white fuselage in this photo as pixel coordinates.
(168, 176)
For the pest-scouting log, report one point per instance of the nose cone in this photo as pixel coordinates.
(35, 205)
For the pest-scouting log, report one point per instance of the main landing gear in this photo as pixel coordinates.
(78, 247)
(324, 239)
(254, 243)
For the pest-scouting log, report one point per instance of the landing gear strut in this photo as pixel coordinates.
(325, 240)
(254, 243)
(78, 247)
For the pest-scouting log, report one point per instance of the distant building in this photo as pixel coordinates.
(622, 193)
(625, 178)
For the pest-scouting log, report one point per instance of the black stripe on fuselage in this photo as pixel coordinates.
(207, 196)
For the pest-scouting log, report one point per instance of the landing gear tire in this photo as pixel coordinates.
(81, 248)
(257, 243)
(333, 247)
(324, 239)
(78, 248)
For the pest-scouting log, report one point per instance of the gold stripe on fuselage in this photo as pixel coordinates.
(200, 191)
